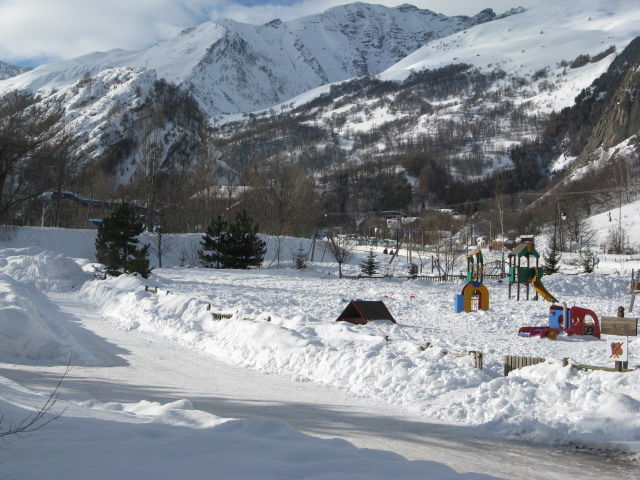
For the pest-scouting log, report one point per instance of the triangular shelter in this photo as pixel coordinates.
(361, 312)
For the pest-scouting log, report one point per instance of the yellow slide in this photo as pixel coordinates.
(543, 292)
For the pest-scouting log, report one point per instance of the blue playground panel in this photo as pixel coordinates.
(458, 301)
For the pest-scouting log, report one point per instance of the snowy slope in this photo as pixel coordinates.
(230, 66)
(7, 70)
(628, 215)
(529, 60)
(540, 38)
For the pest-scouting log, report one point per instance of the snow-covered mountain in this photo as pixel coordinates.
(234, 67)
(7, 70)
(467, 101)
(547, 37)
(371, 82)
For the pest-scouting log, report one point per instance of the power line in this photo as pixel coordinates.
(533, 194)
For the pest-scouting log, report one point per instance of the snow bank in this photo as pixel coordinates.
(337, 354)
(551, 403)
(43, 270)
(152, 441)
(31, 331)
(23, 334)
(178, 413)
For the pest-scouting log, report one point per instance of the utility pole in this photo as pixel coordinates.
(620, 235)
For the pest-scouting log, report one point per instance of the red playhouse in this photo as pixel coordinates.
(565, 321)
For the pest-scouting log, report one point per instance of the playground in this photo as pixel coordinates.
(283, 322)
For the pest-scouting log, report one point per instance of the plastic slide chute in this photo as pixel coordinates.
(541, 290)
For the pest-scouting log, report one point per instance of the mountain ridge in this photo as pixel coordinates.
(8, 70)
(454, 120)
(234, 67)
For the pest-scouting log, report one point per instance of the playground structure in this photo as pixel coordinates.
(474, 295)
(562, 320)
(565, 321)
(527, 275)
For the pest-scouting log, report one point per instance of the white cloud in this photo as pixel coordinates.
(57, 29)
(68, 28)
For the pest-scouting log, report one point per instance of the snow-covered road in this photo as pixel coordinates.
(152, 368)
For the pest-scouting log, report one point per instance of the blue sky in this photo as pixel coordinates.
(38, 31)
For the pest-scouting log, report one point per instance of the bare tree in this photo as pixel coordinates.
(162, 243)
(448, 255)
(580, 231)
(500, 209)
(40, 418)
(206, 200)
(616, 239)
(26, 131)
(149, 166)
(341, 248)
(283, 197)
(64, 165)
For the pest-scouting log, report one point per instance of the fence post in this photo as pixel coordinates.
(621, 366)
(477, 359)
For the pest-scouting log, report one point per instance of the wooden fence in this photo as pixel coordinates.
(513, 362)
(620, 368)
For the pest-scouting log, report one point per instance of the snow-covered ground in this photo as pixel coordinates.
(283, 324)
(149, 440)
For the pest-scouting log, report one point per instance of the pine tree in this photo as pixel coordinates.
(242, 247)
(586, 259)
(232, 245)
(300, 259)
(117, 243)
(552, 260)
(214, 243)
(413, 270)
(249, 249)
(370, 266)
